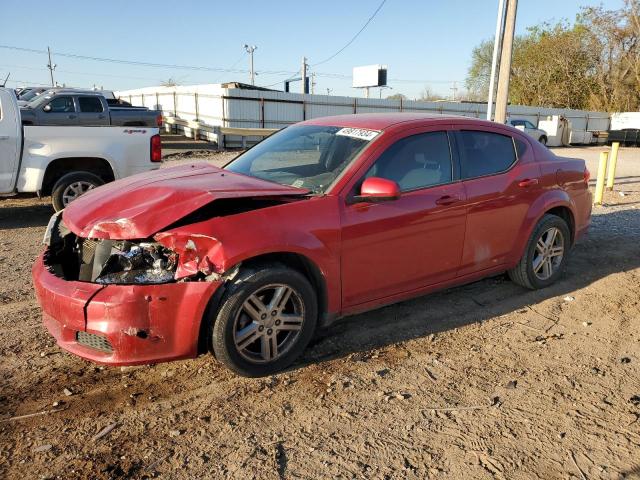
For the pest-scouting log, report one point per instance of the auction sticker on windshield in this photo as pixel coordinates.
(361, 133)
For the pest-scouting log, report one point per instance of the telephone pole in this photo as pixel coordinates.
(502, 96)
(304, 75)
(454, 89)
(494, 60)
(250, 49)
(51, 66)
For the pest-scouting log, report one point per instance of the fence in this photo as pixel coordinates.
(218, 105)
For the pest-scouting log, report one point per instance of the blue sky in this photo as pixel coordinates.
(423, 42)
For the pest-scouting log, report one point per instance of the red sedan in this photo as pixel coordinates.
(324, 219)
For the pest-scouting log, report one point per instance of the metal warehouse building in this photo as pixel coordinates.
(244, 106)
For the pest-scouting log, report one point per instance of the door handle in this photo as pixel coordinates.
(528, 182)
(4, 137)
(72, 116)
(447, 200)
(101, 117)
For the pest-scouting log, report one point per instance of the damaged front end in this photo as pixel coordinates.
(162, 259)
(119, 302)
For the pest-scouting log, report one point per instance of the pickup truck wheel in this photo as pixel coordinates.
(545, 255)
(266, 319)
(71, 186)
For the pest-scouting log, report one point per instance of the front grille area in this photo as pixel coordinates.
(91, 340)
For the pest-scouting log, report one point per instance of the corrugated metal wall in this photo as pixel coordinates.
(233, 107)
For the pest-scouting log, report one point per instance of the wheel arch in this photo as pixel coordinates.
(555, 202)
(567, 215)
(296, 261)
(61, 166)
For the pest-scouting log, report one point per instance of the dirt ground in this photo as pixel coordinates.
(483, 381)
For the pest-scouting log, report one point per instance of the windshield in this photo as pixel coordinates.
(40, 99)
(30, 95)
(305, 156)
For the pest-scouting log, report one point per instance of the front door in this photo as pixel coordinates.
(60, 110)
(414, 241)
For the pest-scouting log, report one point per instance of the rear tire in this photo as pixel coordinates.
(266, 319)
(71, 186)
(545, 254)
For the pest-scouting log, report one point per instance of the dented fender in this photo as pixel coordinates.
(196, 252)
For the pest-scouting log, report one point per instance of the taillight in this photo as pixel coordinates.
(587, 176)
(159, 120)
(156, 149)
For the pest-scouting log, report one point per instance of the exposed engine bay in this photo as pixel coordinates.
(106, 261)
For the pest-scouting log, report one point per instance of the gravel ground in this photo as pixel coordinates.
(487, 380)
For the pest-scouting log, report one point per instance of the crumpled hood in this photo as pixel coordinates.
(141, 205)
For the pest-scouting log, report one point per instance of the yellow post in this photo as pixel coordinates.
(613, 160)
(602, 171)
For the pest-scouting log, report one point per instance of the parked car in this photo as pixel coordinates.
(530, 129)
(65, 162)
(326, 218)
(29, 94)
(71, 107)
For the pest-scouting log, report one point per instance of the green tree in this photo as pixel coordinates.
(591, 64)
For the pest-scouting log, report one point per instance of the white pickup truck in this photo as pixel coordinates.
(64, 161)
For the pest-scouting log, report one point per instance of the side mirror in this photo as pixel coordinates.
(376, 189)
(46, 108)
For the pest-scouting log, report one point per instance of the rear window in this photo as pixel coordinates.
(485, 153)
(90, 104)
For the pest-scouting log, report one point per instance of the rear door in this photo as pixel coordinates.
(60, 110)
(501, 180)
(10, 139)
(92, 111)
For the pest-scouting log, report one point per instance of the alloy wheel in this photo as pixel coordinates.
(548, 253)
(74, 190)
(269, 323)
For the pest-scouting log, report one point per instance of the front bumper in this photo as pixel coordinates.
(133, 324)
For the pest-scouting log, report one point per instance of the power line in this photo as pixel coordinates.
(231, 69)
(354, 37)
(40, 69)
(139, 63)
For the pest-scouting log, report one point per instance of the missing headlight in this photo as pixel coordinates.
(143, 262)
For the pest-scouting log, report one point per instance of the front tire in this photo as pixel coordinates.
(266, 319)
(72, 185)
(545, 254)
(543, 140)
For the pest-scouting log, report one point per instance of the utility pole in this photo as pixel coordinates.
(494, 60)
(502, 95)
(51, 67)
(304, 75)
(313, 83)
(454, 89)
(250, 49)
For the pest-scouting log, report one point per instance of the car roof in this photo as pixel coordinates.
(382, 121)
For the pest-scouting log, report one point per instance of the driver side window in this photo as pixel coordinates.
(414, 162)
(61, 105)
